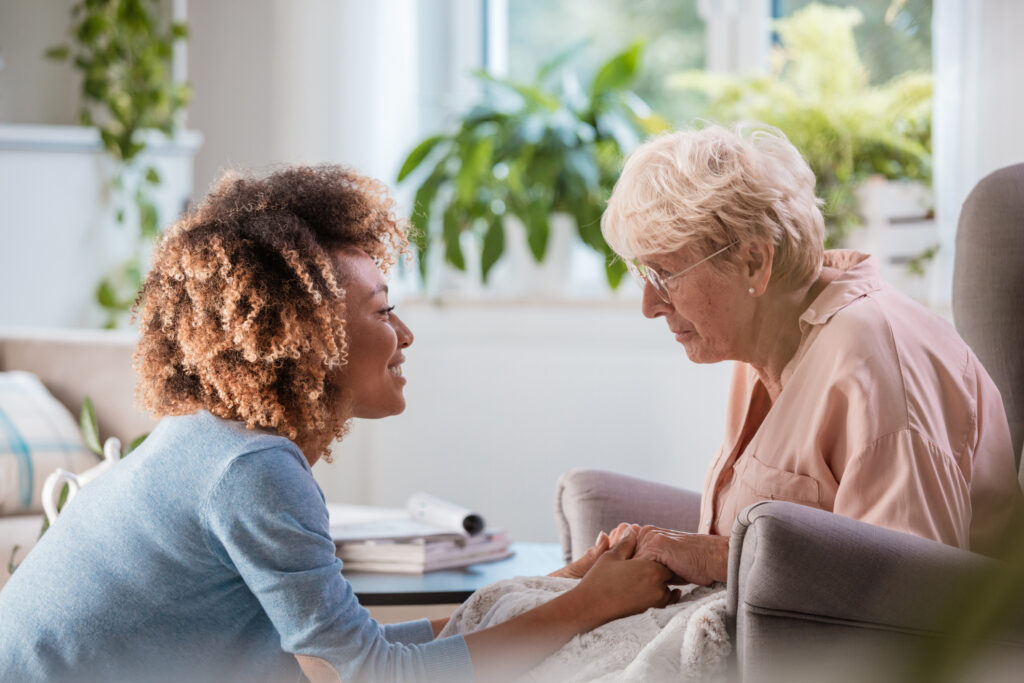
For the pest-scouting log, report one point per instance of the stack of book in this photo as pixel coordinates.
(427, 535)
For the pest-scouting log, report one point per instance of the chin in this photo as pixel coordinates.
(702, 356)
(377, 412)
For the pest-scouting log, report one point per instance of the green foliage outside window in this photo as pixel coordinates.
(818, 94)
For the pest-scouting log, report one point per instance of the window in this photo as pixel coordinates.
(673, 32)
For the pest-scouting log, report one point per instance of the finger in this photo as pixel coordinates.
(626, 545)
(603, 542)
(676, 596)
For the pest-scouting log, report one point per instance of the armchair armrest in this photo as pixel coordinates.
(590, 501)
(801, 577)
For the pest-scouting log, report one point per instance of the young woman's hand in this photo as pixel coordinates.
(617, 586)
(580, 566)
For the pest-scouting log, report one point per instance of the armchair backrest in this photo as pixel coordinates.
(988, 286)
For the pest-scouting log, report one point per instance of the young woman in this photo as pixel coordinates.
(206, 554)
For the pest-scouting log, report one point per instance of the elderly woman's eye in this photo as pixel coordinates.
(387, 310)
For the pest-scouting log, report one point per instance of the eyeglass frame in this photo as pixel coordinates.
(645, 274)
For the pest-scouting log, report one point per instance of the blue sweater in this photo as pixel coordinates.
(204, 555)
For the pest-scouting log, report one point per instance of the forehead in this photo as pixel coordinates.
(358, 273)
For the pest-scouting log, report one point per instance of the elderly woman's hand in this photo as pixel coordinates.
(694, 558)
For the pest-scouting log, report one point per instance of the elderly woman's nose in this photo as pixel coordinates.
(652, 304)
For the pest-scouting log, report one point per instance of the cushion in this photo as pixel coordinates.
(37, 436)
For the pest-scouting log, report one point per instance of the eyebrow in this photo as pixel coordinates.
(378, 289)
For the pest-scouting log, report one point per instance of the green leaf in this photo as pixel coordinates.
(614, 269)
(90, 430)
(617, 72)
(452, 247)
(148, 219)
(152, 176)
(418, 154)
(105, 295)
(475, 170)
(136, 442)
(57, 53)
(10, 562)
(537, 229)
(494, 245)
(179, 31)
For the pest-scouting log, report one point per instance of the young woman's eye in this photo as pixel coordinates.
(387, 311)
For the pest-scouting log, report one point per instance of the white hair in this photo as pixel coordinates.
(714, 186)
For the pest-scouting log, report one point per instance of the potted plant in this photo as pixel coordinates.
(818, 95)
(529, 151)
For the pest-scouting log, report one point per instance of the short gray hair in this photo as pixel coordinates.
(715, 186)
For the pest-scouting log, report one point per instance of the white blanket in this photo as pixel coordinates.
(683, 642)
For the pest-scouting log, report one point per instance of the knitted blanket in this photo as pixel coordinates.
(683, 642)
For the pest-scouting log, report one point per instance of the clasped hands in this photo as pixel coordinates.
(702, 559)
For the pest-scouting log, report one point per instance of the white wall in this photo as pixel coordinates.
(58, 235)
(32, 89)
(303, 81)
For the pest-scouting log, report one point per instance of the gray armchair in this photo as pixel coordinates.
(806, 586)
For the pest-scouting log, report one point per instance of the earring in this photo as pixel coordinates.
(750, 291)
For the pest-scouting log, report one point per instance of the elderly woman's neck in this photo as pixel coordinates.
(776, 329)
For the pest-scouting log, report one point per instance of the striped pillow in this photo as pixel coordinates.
(37, 435)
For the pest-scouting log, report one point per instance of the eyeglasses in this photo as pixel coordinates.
(643, 274)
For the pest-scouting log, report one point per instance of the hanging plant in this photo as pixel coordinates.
(123, 50)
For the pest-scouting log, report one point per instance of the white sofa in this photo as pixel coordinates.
(72, 364)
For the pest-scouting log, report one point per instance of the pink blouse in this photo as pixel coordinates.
(885, 416)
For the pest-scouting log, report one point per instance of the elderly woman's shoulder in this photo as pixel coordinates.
(888, 324)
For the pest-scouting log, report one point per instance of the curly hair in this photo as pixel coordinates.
(715, 186)
(243, 312)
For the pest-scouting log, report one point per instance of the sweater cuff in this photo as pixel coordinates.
(452, 662)
(409, 632)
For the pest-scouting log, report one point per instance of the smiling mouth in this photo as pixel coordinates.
(395, 370)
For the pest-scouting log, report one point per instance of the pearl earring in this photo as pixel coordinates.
(750, 291)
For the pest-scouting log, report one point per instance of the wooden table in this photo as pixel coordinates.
(453, 585)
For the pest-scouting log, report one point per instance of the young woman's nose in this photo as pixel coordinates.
(405, 336)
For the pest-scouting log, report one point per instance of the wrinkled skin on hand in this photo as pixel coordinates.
(702, 559)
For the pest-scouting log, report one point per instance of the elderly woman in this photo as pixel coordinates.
(846, 395)
(206, 554)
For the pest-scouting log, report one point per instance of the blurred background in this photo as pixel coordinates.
(502, 125)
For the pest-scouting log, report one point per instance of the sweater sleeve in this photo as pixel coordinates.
(410, 632)
(267, 519)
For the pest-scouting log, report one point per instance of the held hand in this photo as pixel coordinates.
(577, 568)
(617, 586)
(694, 558)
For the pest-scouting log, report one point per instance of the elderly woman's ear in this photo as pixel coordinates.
(756, 259)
